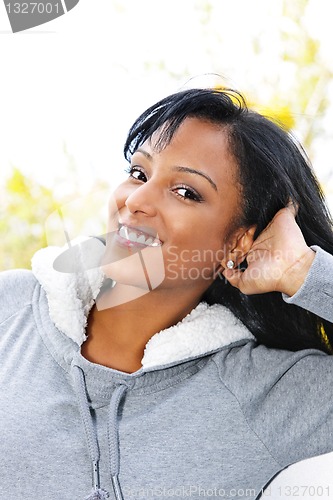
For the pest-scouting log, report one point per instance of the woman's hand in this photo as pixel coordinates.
(278, 260)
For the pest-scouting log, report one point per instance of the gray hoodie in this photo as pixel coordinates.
(209, 414)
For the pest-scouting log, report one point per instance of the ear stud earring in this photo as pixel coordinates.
(230, 264)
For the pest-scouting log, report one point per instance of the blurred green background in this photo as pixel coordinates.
(113, 66)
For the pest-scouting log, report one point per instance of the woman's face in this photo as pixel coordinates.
(175, 211)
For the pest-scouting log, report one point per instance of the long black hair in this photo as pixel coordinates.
(273, 169)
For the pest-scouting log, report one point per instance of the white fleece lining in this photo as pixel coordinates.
(71, 296)
(205, 329)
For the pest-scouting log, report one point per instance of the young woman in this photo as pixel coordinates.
(149, 367)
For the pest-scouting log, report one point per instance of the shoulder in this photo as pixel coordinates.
(16, 291)
(258, 365)
(276, 388)
(258, 373)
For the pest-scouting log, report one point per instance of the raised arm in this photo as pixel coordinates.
(280, 260)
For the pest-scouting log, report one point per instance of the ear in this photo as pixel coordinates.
(239, 244)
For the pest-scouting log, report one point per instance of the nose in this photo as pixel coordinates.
(143, 200)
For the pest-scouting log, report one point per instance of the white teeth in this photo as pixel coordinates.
(132, 237)
(142, 239)
(123, 232)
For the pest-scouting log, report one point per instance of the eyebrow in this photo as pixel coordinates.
(196, 172)
(144, 152)
(187, 170)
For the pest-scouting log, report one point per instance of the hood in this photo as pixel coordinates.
(71, 296)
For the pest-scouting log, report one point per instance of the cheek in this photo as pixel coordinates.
(194, 254)
(200, 236)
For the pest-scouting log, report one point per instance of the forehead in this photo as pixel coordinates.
(197, 143)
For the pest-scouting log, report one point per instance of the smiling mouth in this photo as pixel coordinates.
(132, 236)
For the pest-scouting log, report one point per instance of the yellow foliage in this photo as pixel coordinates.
(25, 222)
(281, 114)
(25, 207)
(17, 182)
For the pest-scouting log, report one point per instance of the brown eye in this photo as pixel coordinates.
(137, 173)
(187, 193)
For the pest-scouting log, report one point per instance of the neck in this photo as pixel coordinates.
(118, 329)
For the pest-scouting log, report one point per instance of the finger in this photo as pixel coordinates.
(289, 211)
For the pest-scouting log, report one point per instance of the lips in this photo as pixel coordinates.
(134, 236)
